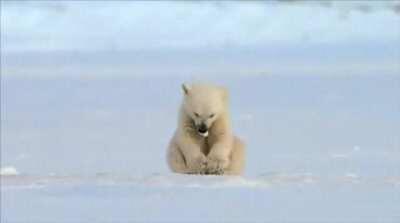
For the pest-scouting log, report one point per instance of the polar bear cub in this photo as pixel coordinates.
(203, 142)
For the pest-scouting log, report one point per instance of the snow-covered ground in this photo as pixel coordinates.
(273, 197)
(86, 117)
(95, 152)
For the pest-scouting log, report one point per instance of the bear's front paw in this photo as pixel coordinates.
(216, 165)
(198, 165)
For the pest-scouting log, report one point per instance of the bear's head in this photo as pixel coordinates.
(204, 104)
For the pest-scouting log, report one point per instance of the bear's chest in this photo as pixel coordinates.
(206, 145)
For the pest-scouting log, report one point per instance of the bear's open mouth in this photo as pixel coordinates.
(204, 134)
(202, 129)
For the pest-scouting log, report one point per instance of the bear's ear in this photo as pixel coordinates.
(185, 88)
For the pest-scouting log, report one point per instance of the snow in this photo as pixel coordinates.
(356, 148)
(86, 119)
(274, 197)
(8, 170)
(301, 162)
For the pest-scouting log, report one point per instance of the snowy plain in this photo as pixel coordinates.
(84, 124)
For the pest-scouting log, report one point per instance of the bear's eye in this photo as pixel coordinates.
(212, 115)
(196, 114)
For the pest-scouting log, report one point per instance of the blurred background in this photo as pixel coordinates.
(91, 87)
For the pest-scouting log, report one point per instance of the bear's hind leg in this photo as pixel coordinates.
(176, 160)
(237, 159)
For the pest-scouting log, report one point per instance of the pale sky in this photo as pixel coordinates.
(77, 25)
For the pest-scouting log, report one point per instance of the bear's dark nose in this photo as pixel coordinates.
(202, 128)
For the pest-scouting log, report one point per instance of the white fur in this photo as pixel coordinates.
(216, 151)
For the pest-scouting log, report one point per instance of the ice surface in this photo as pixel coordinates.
(273, 197)
(87, 114)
